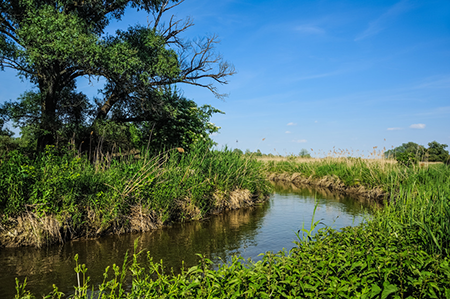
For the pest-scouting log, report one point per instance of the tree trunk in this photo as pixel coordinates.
(48, 124)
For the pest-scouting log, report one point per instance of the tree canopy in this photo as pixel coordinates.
(54, 43)
(434, 153)
(437, 152)
(410, 147)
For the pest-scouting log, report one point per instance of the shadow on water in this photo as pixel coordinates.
(270, 226)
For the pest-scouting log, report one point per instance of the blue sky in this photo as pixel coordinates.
(320, 74)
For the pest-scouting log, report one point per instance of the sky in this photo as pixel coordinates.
(318, 75)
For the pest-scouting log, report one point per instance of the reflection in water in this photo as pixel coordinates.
(270, 226)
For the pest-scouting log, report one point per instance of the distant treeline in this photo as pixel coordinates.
(304, 153)
(435, 152)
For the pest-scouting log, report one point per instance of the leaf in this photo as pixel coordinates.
(374, 291)
(388, 289)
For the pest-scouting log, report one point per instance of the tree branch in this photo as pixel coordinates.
(201, 65)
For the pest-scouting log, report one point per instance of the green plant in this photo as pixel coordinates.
(407, 159)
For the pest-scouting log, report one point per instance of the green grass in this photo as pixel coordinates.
(418, 197)
(172, 186)
(402, 252)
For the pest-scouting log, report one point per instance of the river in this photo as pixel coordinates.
(270, 226)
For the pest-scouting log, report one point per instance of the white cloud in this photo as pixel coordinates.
(394, 129)
(300, 141)
(291, 124)
(383, 21)
(288, 132)
(316, 121)
(309, 29)
(417, 126)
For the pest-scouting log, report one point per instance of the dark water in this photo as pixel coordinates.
(248, 232)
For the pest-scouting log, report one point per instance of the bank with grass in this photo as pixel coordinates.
(54, 197)
(378, 179)
(402, 252)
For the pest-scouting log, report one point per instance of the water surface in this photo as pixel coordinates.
(270, 226)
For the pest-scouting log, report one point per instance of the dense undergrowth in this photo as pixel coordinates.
(402, 252)
(86, 197)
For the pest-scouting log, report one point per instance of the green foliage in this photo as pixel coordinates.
(59, 184)
(437, 152)
(238, 151)
(358, 262)
(3, 119)
(184, 125)
(53, 43)
(304, 153)
(407, 159)
(8, 144)
(418, 151)
(411, 151)
(402, 251)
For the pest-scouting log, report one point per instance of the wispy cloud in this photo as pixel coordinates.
(288, 132)
(300, 141)
(323, 75)
(291, 124)
(435, 83)
(394, 129)
(383, 21)
(309, 29)
(417, 126)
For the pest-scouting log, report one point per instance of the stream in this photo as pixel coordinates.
(270, 226)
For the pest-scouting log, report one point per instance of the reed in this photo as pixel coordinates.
(402, 251)
(417, 198)
(101, 197)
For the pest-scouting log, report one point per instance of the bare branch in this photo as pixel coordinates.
(8, 29)
(162, 10)
(202, 65)
(170, 34)
(6, 62)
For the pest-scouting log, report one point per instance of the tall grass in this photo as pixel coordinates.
(173, 185)
(401, 252)
(419, 196)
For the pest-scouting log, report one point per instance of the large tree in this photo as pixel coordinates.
(413, 148)
(53, 43)
(436, 152)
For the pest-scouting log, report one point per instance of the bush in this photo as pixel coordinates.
(407, 159)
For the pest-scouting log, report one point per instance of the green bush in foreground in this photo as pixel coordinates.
(358, 262)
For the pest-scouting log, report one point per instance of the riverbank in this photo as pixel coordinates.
(54, 198)
(330, 182)
(379, 180)
(402, 251)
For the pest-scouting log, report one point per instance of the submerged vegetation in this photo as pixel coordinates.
(401, 252)
(54, 197)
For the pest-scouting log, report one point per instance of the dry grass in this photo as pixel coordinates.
(233, 200)
(330, 159)
(279, 159)
(334, 159)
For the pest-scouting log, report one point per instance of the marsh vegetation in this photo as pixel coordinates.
(55, 197)
(402, 251)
